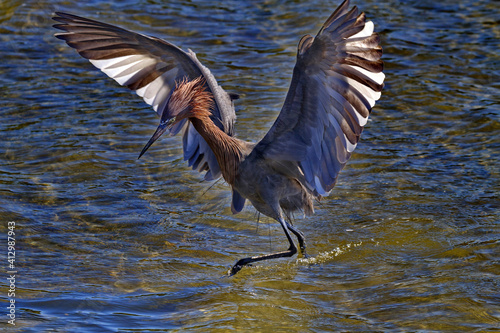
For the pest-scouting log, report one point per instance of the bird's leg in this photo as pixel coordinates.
(300, 238)
(288, 253)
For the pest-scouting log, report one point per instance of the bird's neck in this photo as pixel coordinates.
(228, 150)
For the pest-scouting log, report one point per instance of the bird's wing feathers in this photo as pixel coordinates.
(151, 67)
(336, 81)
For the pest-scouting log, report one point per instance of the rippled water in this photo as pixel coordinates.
(408, 240)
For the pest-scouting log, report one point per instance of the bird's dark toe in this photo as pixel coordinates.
(235, 269)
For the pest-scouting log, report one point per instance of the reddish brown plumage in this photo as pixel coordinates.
(336, 81)
(196, 104)
(191, 98)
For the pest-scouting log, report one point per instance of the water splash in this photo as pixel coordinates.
(328, 256)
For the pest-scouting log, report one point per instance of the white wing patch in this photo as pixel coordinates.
(366, 32)
(151, 67)
(370, 95)
(116, 68)
(345, 142)
(340, 148)
(349, 108)
(126, 69)
(336, 82)
(377, 77)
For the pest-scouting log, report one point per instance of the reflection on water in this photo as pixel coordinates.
(407, 241)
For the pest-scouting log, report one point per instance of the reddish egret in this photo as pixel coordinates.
(336, 81)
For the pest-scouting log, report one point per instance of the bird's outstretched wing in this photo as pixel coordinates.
(336, 81)
(151, 67)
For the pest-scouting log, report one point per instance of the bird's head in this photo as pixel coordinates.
(190, 99)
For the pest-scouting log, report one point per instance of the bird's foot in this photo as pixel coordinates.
(235, 269)
(239, 265)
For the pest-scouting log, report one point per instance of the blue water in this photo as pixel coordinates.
(408, 240)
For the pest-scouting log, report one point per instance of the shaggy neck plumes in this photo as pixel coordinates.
(198, 102)
(227, 150)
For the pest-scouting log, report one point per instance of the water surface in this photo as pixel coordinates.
(408, 240)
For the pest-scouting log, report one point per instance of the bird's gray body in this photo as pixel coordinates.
(336, 81)
(269, 188)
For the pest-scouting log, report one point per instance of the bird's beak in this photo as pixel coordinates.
(162, 128)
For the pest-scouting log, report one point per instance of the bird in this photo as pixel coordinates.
(337, 78)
